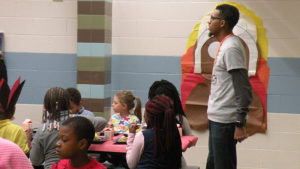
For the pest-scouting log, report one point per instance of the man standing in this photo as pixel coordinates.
(230, 94)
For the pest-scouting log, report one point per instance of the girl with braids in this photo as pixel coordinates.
(167, 88)
(56, 106)
(123, 103)
(159, 146)
(56, 110)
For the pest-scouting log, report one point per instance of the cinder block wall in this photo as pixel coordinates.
(148, 39)
(40, 44)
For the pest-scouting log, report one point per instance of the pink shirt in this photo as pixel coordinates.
(135, 148)
(11, 156)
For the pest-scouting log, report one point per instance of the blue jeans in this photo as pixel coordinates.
(222, 146)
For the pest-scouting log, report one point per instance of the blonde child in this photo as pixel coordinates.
(8, 100)
(56, 110)
(75, 137)
(123, 103)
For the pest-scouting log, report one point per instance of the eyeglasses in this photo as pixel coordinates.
(214, 18)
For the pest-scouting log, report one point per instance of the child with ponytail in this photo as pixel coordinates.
(123, 103)
(159, 146)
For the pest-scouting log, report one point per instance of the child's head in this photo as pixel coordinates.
(167, 88)
(9, 98)
(75, 100)
(75, 136)
(159, 115)
(56, 102)
(124, 102)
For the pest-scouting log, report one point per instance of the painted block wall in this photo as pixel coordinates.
(147, 34)
(40, 44)
(149, 38)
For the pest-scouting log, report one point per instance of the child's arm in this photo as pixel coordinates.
(135, 148)
(186, 129)
(36, 152)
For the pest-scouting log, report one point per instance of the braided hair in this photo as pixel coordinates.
(160, 117)
(56, 101)
(126, 97)
(167, 88)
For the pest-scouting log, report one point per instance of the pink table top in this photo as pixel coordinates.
(110, 146)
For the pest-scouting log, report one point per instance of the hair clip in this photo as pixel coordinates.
(44, 117)
(49, 127)
(56, 105)
(54, 124)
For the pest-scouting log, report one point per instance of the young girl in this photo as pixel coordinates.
(167, 88)
(159, 146)
(8, 100)
(56, 110)
(122, 105)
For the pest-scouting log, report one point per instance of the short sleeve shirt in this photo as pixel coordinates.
(122, 124)
(221, 104)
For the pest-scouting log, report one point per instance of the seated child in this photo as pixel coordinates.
(123, 103)
(56, 110)
(75, 136)
(8, 100)
(159, 146)
(11, 156)
(76, 104)
(167, 88)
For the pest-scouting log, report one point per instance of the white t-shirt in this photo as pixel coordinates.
(221, 103)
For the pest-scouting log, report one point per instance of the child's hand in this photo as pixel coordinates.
(133, 127)
(29, 134)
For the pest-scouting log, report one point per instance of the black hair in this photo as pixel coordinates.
(3, 70)
(167, 88)
(160, 117)
(56, 100)
(230, 14)
(75, 95)
(82, 128)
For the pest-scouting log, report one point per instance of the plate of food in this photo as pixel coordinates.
(98, 140)
(121, 140)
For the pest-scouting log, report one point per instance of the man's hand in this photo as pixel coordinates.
(240, 134)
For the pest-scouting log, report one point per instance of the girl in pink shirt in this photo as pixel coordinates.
(159, 146)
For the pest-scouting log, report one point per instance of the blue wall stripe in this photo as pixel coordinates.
(146, 64)
(284, 82)
(94, 49)
(94, 91)
(45, 70)
(41, 72)
(137, 73)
